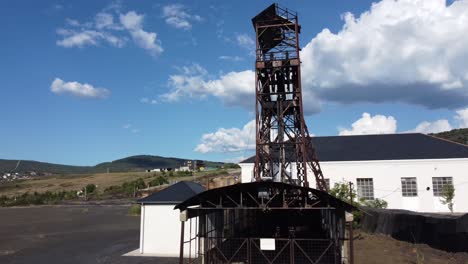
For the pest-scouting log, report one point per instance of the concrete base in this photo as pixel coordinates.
(136, 253)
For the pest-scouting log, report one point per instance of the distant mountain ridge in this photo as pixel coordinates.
(456, 135)
(132, 163)
(145, 162)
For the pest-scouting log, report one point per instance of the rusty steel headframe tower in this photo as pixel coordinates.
(282, 137)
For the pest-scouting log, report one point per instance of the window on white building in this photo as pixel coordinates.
(409, 187)
(327, 183)
(365, 188)
(438, 184)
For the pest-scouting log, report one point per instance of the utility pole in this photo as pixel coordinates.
(351, 235)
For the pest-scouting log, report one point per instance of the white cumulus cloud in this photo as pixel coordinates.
(145, 40)
(177, 16)
(245, 41)
(233, 88)
(230, 58)
(229, 139)
(368, 124)
(462, 118)
(427, 127)
(412, 51)
(104, 29)
(81, 38)
(104, 20)
(146, 100)
(58, 86)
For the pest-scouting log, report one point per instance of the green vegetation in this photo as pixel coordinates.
(183, 173)
(158, 181)
(341, 191)
(90, 188)
(127, 189)
(129, 164)
(376, 203)
(448, 193)
(135, 210)
(231, 166)
(55, 189)
(141, 162)
(456, 135)
(37, 198)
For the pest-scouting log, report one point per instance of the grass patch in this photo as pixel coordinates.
(135, 210)
(66, 184)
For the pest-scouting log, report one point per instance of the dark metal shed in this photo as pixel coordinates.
(263, 222)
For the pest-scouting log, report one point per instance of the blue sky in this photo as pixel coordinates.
(85, 82)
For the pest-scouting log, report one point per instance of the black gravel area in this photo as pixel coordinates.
(70, 234)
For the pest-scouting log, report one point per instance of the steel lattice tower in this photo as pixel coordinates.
(282, 138)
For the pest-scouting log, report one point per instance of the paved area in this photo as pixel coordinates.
(70, 234)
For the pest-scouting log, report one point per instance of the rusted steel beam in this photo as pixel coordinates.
(282, 137)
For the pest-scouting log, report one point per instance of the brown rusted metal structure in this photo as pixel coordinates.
(284, 149)
(263, 222)
(277, 219)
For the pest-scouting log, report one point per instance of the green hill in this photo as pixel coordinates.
(456, 135)
(44, 167)
(133, 163)
(139, 163)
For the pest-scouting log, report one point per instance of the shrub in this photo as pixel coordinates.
(37, 198)
(448, 193)
(231, 166)
(376, 203)
(135, 210)
(127, 189)
(158, 181)
(184, 173)
(90, 188)
(341, 191)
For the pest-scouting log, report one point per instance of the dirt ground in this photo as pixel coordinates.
(69, 182)
(382, 249)
(78, 181)
(103, 233)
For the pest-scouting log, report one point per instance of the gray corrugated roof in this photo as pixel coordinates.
(174, 194)
(384, 147)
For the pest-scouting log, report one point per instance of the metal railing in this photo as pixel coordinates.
(286, 250)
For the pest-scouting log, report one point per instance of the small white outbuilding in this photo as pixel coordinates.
(160, 223)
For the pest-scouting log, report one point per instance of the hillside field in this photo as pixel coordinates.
(138, 163)
(77, 182)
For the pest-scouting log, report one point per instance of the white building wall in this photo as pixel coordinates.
(160, 231)
(387, 176)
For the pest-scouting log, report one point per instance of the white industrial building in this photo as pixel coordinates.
(406, 170)
(160, 225)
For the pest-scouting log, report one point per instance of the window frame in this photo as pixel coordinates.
(368, 192)
(409, 189)
(437, 187)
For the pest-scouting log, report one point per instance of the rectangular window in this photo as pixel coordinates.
(409, 187)
(365, 188)
(327, 183)
(438, 184)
